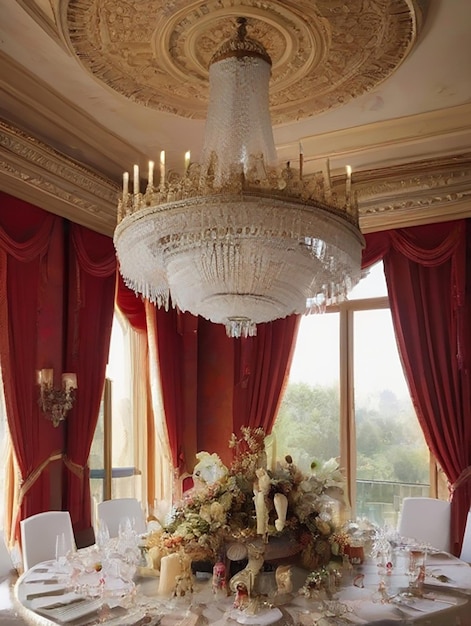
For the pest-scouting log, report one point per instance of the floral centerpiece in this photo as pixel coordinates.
(246, 500)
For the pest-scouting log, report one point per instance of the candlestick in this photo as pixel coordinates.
(125, 185)
(187, 160)
(136, 180)
(151, 174)
(170, 568)
(162, 168)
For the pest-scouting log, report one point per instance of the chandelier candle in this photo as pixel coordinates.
(348, 187)
(136, 180)
(150, 177)
(162, 169)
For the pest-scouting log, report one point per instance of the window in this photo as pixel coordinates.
(112, 455)
(347, 397)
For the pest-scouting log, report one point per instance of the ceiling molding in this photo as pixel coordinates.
(34, 172)
(387, 142)
(323, 55)
(30, 104)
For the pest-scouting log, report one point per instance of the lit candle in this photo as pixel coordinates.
(151, 173)
(348, 185)
(69, 381)
(187, 160)
(162, 168)
(47, 376)
(170, 568)
(136, 180)
(125, 184)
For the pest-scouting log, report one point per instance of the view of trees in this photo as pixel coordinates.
(390, 445)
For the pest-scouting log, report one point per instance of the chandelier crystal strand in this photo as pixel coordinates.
(238, 239)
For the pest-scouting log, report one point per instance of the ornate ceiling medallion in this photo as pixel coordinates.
(324, 53)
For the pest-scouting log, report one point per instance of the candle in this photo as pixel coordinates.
(47, 376)
(150, 178)
(136, 180)
(69, 381)
(170, 568)
(348, 185)
(301, 160)
(162, 168)
(187, 160)
(327, 182)
(125, 185)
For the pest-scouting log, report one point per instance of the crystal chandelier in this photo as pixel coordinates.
(238, 239)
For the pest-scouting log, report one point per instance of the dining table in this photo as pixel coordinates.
(369, 592)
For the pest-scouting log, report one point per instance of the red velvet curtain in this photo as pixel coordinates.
(428, 273)
(262, 366)
(92, 280)
(245, 377)
(29, 241)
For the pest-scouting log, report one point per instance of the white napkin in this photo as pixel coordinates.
(36, 590)
(53, 601)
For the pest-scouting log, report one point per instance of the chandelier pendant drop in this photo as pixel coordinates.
(238, 239)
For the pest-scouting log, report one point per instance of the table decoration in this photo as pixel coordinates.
(222, 505)
(250, 513)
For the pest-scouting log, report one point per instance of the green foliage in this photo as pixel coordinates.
(390, 445)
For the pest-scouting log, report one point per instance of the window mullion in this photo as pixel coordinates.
(347, 409)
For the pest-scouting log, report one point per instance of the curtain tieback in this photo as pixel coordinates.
(32, 477)
(75, 468)
(462, 478)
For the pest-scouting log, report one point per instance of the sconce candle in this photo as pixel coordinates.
(125, 185)
(187, 160)
(69, 381)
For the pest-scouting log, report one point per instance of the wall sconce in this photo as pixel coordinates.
(56, 403)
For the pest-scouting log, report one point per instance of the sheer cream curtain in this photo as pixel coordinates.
(162, 462)
(151, 451)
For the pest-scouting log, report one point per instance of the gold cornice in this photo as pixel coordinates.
(34, 172)
(427, 191)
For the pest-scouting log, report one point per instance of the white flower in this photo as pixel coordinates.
(210, 469)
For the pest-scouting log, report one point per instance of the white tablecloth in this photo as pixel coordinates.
(45, 599)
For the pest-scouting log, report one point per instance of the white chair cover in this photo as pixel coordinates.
(39, 534)
(427, 520)
(465, 554)
(113, 512)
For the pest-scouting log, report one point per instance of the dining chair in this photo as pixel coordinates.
(465, 554)
(39, 535)
(113, 512)
(427, 520)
